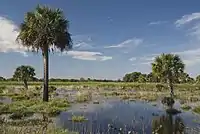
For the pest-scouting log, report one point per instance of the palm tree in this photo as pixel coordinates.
(168, 67)
(45, 29)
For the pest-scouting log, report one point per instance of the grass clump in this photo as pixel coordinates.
(186, 107)
(78, 118)
(42, 128)
(24, 108)
(125, 97)
(83, 97)
(197, 110)
(51, 108)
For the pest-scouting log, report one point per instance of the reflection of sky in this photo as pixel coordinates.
(130, 114)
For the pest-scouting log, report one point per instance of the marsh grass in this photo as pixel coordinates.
(197, 109)
(23, 108)
(78, 118)
(186, 107)
(83, 97)
(33, 126)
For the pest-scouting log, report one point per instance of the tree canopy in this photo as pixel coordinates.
(24, 73)
(168, 67)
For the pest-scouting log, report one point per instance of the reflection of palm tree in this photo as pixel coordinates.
(164, 125)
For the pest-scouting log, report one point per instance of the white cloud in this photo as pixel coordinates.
(187, 19)
(83, 45)
(127, 43)
(86, 55)
(190, 57)
(157, 22)
(8, 34)
(133, 59)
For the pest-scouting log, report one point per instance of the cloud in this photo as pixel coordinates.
(86, 55)
(127, 43)
(133, 59)
(143, 60)
(190, 57)
(82, 45)
(187, 19)
(82, 42)
(157, 22)
(8, 34)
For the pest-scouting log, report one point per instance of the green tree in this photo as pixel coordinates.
(152, 78)
(142, 78)
(2, 78)
(169, 67)
(82, 79)
(132, 77)
(45, 29)
(198, 79)
(25, 74)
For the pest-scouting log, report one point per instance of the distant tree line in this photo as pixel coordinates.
(151, 78)
(35, 79)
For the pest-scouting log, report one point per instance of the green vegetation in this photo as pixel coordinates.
(32, 126)
(24, 108)
(83, 96)
(45, 29)
(25, 74)
(78, 118)
(168, 67)
(197, 109)
(186, 107)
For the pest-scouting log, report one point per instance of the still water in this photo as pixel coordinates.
(114, 116)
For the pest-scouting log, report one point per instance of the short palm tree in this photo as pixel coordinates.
(45, 29)
(168, 67)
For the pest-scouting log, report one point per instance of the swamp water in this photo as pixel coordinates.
(114, 116)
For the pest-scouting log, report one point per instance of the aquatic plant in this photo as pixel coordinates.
(197, 109)
(186, 107)
(78, 118)
(83, 96)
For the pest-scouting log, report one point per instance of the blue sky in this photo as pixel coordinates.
(111, 37)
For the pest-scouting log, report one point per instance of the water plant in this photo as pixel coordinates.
(78, 118)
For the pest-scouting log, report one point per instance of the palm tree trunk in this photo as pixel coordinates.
(46, 74)
(170, 86)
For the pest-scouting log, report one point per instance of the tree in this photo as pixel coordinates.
(132, 77)
(82, 79)
(169, 67)
(142, 78)
(152, 78)
(2, 78)
(198, 79)
(24, 73)
(45, 29)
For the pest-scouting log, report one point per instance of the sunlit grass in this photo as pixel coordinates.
(78, 118)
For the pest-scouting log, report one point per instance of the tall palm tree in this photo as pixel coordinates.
(45, 29)
(168, 67)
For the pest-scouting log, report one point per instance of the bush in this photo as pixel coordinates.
(169, 101)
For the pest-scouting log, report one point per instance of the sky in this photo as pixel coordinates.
(110, 37)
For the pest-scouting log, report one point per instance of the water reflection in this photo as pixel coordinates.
(124, 117)
(167, 124)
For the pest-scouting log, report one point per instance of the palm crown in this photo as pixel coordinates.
(45, 28)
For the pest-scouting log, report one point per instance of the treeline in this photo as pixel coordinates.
(62, 80)
(142, 78)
